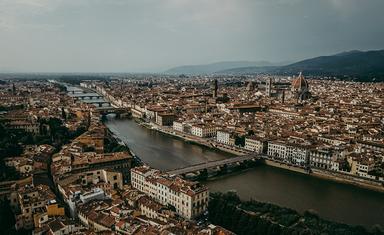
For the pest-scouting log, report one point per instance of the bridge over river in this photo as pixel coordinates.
(85, 96)
(91, 96)
(214, 164)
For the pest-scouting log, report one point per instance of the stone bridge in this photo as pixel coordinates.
(214, 164)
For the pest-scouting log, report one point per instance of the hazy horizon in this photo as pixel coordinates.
(70, 36)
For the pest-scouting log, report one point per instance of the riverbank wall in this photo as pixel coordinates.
(284, 166)
(189, 140)
(348, 179)
(330, 175)
(186, 139)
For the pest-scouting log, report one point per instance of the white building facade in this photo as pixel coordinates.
(288, 153)
(203, 131)
(255, 144)
(224, 137)
(190, 199)
(178, 126)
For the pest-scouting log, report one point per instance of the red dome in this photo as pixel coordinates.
(300, 83)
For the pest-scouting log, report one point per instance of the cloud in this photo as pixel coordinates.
(20, 14)
(205, 11)
(13, 13)
(68, 35)
(347, 6)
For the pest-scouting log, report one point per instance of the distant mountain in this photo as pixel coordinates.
(347, 53)
(249, 70)
(355, 63)
(365, 65)
(215, 67)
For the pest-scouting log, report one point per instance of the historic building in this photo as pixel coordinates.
(189, 199)
(300, 88)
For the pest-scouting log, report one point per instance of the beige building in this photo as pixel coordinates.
(203, 131)
(115, 179)
(190, 199)
(32, 200)
(154, 210)
(178, 126)
(255, 144)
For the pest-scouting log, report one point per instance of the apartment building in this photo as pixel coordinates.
(288, 152)
(31, 201)
(87, 186)
(321, 158)
(255, 144)
(165, 119)
(190, 199)
(225, 137)
(178, 126)
(203, 131)
(365, 165)
(153, 209)
(115, 179)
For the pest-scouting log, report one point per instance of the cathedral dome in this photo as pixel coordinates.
(300, 83)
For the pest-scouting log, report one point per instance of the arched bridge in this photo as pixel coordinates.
(214, 164)
(85, 96)
(111, 109)
(99, 103)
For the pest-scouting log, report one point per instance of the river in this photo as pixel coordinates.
(331, 200)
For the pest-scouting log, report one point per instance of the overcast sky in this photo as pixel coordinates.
(153, 35)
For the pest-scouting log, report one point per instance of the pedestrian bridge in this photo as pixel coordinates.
(214, 164)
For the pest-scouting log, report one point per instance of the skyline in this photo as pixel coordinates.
(153, 36)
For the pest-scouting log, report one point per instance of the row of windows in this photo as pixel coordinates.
(166, 195)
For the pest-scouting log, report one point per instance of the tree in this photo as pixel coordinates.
(7, 219)
(240, 140)
(63, 114)
(252, 217)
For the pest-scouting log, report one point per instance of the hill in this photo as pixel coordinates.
(249, 70)
(365, 65)
(355, 63)
(215, 67)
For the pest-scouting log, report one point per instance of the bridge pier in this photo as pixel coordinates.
(223, 169)
(203, 174)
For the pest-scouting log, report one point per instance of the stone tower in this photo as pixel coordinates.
(268, 87)
(214, 88)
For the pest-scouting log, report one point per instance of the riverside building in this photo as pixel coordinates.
(190, 199)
